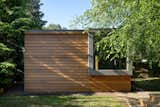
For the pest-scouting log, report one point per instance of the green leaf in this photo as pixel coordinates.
(7, 65)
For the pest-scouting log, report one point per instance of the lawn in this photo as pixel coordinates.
(149, 84)
(60, 101)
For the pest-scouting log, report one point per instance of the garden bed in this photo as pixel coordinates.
(148, 84)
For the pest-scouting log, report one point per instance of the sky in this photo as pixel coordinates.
(63, 11)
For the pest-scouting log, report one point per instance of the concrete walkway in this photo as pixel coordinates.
(132, 99)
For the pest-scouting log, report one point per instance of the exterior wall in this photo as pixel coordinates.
(58, 62)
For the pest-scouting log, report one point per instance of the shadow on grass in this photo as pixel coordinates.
(33, 101)
(150, 84)
(59, 101)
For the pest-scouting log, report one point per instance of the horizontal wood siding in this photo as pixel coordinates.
(58, 62)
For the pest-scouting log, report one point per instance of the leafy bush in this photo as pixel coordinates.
(16, 16)
(4, 49)
(6, 73)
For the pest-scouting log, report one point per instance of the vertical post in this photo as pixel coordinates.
(90, 53)
(96, 63)
(129, 66)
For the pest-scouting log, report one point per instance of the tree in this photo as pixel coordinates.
(36, 14)
(15, 18)
(102, 14)
(54, 27)
(135, 28)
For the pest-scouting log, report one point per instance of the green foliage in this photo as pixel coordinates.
(4, 49)
(149, 84)
(135, 28)
(6, 73)
(16, 16)
(54, 27)
(102, 14)
(21, 24)
(6, 65)
(36, 14)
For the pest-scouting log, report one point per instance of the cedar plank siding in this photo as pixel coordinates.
(58, 62)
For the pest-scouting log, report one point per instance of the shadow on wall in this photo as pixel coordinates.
(61, 63)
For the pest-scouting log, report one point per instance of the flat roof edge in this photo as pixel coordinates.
(32, 32)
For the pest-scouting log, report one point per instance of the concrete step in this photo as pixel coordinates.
(153, 101)
(154, 98)
(153, 104)
(143, 102)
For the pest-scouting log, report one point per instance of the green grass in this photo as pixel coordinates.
(60, 101)
(149, 84)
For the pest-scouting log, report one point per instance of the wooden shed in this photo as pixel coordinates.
(62, 61)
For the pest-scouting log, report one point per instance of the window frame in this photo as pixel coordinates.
(91, 69)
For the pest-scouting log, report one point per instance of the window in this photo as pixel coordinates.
(101, 67)
(108, 64)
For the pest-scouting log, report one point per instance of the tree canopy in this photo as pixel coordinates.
(135, 28)
(54, 27)
(16, 16)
